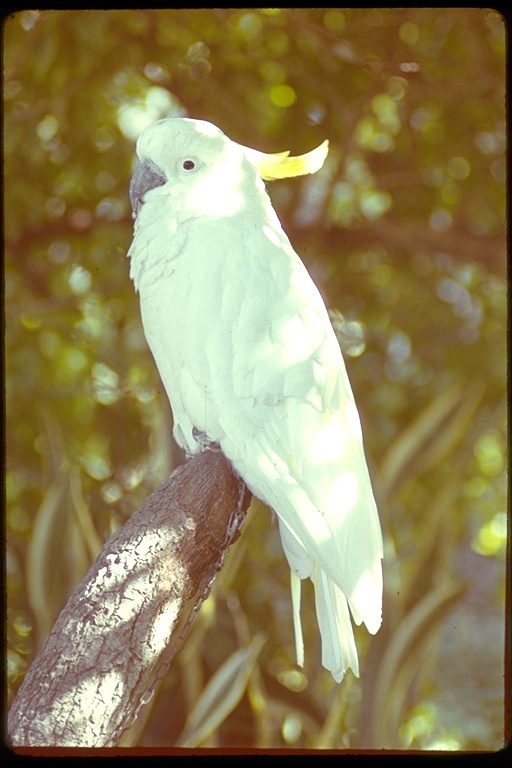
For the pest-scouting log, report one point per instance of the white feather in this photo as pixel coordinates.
(247, 354)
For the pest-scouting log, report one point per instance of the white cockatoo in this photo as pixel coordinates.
(250, 361)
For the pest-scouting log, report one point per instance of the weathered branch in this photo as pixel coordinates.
(111, 642)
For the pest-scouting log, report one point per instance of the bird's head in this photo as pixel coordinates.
(204, 171)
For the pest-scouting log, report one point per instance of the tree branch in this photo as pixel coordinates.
(111, 642)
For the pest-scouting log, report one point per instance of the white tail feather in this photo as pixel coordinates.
(297, 626)
(339, 651)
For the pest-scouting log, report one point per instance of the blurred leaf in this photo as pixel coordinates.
(61, 548)
(221, 694)
(492, 537)
(454, 430)
(401, 662)
(429, 435)
(92, 541)
(63, 540)
(44, 555)
(435, 540)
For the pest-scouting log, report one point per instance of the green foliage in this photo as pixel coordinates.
(403, 231)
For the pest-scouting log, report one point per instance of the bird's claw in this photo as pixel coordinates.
(206, 443)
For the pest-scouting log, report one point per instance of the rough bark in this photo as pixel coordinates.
(112, 641)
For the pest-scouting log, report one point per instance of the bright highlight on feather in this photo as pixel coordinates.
(328, 444)
(250, 361)
(282, 166)
(344, 492)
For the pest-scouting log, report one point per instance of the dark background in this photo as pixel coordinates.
(404, 233)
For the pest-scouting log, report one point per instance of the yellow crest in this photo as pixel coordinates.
(281, 166)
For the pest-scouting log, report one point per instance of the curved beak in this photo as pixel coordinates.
(146, 176)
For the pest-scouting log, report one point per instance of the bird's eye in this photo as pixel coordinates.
(188, 165)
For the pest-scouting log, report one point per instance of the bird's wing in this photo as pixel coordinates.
(295, 435)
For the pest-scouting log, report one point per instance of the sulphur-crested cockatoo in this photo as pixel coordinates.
(250, 361)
